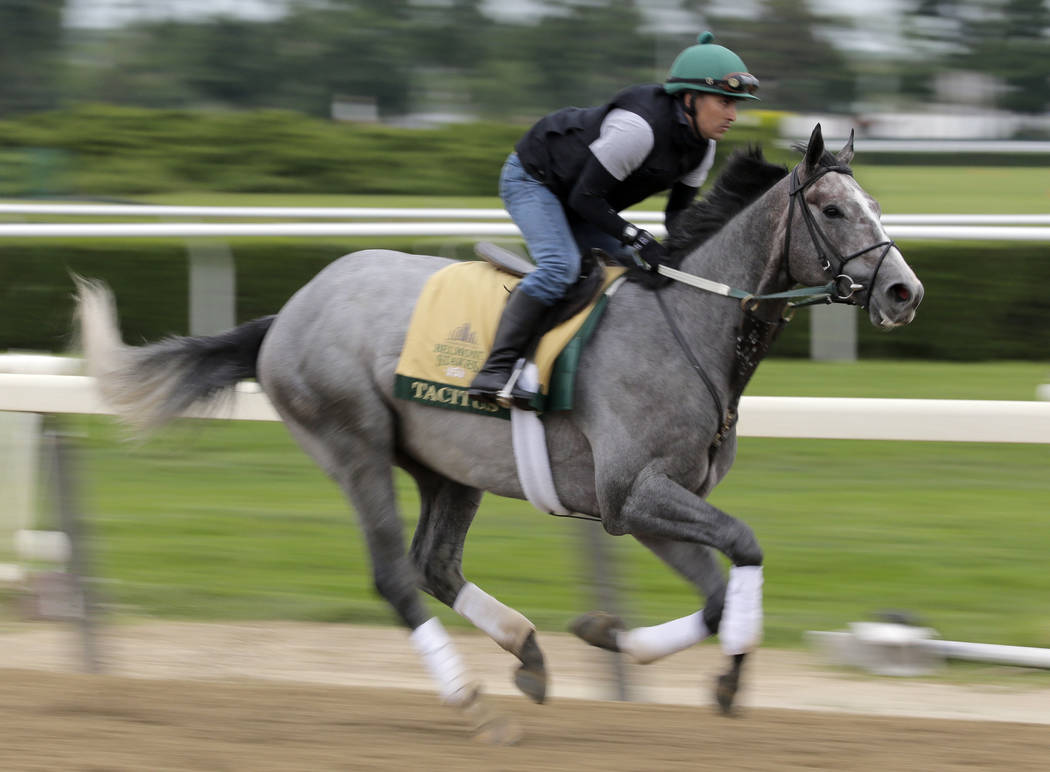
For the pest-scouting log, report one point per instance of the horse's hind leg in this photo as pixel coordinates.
(447, 510)
(360, 462)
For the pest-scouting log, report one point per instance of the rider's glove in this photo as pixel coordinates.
(649, 249)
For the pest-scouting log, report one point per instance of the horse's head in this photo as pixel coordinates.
(833, 232)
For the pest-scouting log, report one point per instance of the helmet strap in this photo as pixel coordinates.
(689, 107)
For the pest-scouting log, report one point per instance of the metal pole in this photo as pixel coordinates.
(605, 592)
(73, 525)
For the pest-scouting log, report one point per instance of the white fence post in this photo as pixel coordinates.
(19, 461)
(833, 333)
(212, 287)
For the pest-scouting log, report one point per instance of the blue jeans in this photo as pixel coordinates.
(555, 244)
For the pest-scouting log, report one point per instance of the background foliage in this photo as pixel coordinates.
(93, 150)
(408, 56)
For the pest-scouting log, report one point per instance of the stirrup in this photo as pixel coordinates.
(505, 397)
(512, 396)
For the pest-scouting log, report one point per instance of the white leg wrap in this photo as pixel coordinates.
(501, 623)
(442, 662)
(648, 644)
(741, 626)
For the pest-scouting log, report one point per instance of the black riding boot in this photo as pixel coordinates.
(517, 326)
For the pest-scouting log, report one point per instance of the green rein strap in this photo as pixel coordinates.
(748, 300)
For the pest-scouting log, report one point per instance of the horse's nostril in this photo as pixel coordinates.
(900, 293)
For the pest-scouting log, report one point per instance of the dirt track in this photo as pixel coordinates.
(319, 712)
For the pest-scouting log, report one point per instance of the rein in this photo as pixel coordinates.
(752, 343)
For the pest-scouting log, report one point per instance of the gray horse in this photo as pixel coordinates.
(650, 436)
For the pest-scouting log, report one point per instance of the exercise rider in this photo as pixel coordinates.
(576, 169)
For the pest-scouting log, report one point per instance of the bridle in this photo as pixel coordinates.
(832, 261)
(756, 335)
(841, 289)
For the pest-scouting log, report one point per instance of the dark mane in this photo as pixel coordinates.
(747, 175)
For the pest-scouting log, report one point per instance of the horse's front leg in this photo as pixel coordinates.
(644, 645)
(657, 507)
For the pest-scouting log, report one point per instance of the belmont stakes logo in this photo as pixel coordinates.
(460, 357)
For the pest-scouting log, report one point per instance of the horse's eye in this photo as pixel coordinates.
(832, 211)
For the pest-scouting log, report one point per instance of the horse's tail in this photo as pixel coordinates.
(149, 385)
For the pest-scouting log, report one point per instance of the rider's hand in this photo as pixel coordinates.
(650, 250)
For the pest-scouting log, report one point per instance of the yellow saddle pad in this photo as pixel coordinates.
(452, 329)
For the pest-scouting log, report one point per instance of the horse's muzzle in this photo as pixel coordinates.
(894, 305)
(896, 294)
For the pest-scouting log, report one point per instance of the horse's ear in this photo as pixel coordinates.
(814, 149)
(845, 156)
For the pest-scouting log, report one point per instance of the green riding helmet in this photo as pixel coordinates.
(708, 67)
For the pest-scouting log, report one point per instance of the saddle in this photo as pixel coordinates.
(455, 318)
(580, 294)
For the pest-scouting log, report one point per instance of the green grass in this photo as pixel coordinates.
(957, 190)
(899, 189)
(903, 379)
(230, 520)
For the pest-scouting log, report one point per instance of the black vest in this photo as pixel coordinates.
(555, 149)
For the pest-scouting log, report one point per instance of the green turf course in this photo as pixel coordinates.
(230, 520)
(898, 189)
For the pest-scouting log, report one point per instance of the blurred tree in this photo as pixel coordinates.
(317, 52)
(452, 34)
(30, 54)
(1011, 41)
(784, 44)
(1006, 39)
(403, 55)
(936, 33)
(229, 61)
(577, 53)
(365, 51)
(586, 52)
(451, 44)
(148, 65)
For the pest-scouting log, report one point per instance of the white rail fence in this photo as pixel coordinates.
(946, 420)
(447, 229)
(833, 334)
(432, 213)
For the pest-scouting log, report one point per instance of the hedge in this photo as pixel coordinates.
(98, 150)
(982, 302)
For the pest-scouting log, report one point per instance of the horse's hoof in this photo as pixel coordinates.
(725, 692)
(598, 628)
(501, 730)
(532, 682)
(531, 677)
(489, 726)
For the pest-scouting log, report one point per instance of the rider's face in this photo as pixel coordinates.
(715, 113)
